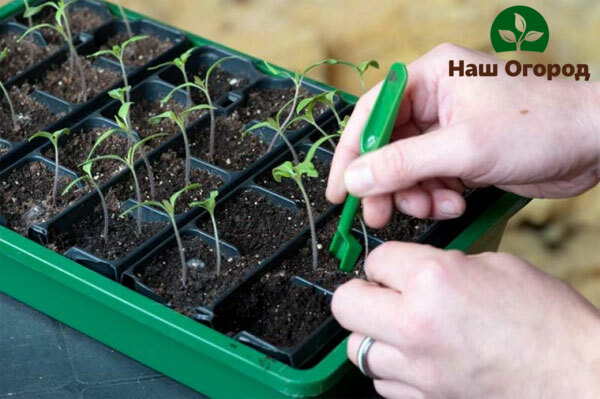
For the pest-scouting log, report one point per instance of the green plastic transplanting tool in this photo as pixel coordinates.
(375, 135)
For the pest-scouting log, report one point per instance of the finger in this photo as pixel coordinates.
(397, 390)
(384, 361)
(368, 309)
(453, 183)
(393, 263)
(444, 203)
(348, 148)
(377, 210)
(446, 152)
(414, 201)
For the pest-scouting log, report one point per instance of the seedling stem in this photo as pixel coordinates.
(53, 138)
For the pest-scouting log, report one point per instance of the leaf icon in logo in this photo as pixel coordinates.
(520, 23)
(507, 36)
(533, 36)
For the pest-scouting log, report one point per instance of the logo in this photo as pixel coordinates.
(520, 28)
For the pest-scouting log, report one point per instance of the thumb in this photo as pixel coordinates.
(447, 152)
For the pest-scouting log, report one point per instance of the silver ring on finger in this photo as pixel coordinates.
(363, 351)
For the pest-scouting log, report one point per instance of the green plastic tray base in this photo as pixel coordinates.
(170, 343)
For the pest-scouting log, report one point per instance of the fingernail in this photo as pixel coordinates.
(358, 178)
(448, 208)
(403, 206)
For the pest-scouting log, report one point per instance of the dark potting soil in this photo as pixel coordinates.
(82, 19)
(276, 310)
(141, 52)
(142, 111)
(162, 274)
(233, 151)
(77, 148)
(220, 83)
(315, 187)
(169, 177)
(58, 81)
(263, 103)
(20, 55)
(327, 275)
(26, 195)
(123, 236)
(400, 228)
(254, 225)
(31, 116)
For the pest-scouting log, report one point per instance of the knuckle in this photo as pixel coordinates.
(377, 259)
(344, 291)
(431, 273)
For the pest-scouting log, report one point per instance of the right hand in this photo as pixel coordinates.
(523, 134)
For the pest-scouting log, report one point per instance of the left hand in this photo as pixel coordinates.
(447, 325)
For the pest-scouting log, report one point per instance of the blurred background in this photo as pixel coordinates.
(562, 237)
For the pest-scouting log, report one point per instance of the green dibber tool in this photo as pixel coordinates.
(375, 135)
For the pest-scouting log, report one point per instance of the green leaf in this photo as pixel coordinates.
(165, 115)
(119, 93)
(306, 168)
(73, 183)
(87, 168)
(58, 29)
(133, 148)
(185, 56)
(31, 11)
(173, 91)
(99, 141)
(196, 108)
(103, 52)
(214, 65)
(209, 203)
(3, 54)
(285, 170)
(313, 148)
(123, 112)
(45, 135)
(103, 158)
(132, 40)
(366, 64)
(174, 197)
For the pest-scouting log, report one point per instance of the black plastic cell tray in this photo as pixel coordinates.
(87, 43)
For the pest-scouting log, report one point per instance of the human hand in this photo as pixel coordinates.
(525, 135)
(447, 325)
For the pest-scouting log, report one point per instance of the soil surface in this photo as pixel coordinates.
(220, 83)
(315, 187)
(263, 103)
(162, 274)
(254, 225)
(141, 52)
(142, 111)
(123, 236)
(31, 116)
(233, 151)
(276, 310)
(401, 228)
(58, 82)
(81, 19)
(77, 146)
(26, 195)
(328, 274)
(20, 55)
(169, 177)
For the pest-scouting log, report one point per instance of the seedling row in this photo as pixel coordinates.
(187, 174)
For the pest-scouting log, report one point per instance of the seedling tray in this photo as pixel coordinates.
(218, 343)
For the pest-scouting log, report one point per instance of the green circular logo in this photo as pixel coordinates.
(520, 28)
